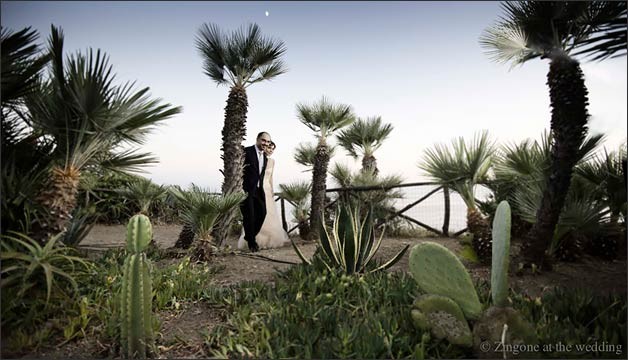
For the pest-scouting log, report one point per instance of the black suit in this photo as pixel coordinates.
(253, 208)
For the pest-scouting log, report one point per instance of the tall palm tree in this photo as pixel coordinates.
(324, 118)
(365, 136)
(462, 167)
(238, 60)
(86, 117)
(552, 30)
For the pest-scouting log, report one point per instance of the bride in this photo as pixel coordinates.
(272, 234)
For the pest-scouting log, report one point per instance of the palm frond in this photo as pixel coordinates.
(324, 117)
(364, 135)
(342, 174)
(296, 192)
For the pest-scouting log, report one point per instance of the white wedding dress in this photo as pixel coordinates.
(272, 234)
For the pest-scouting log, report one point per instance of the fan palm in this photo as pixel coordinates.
(200, 211)
(86, 117)
(606, 176)
(306, 153)
(144, 193)
(365, 136)
(552, 30)
(324, 118)
(238, 60)
(462, 167)
(297, 194)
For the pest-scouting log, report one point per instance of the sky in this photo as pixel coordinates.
(418, 65)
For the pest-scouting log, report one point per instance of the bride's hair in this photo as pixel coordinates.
(273, 145)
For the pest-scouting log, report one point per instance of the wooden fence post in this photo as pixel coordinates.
(447, 210)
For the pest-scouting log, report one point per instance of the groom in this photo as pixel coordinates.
(253, 208)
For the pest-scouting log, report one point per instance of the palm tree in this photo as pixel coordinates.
(324, 118)
(238, 60)
(552, 30)
(461, 168)
(305, 154)
(143, 193)
(24, 159)
(297, 194)
(86, 117)
(201, 210)
(365, 136)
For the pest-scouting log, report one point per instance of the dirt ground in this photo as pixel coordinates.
(589, 272)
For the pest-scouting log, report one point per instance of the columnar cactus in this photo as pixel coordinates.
(501, 255)
(136, 293)
(438, 271)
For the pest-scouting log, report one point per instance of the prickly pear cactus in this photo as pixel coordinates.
(438, 271)
(443, 317)
(501, 255)
(136, 292)
(489, 329)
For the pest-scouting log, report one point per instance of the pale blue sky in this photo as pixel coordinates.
(416, 64)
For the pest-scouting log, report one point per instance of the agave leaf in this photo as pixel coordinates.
(299, 253)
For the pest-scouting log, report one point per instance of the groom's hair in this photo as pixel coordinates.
(262, 133)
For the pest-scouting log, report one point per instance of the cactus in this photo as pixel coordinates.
(443, 317)
(136, 292)
(490, 327)
(438, 271)
(501, 255)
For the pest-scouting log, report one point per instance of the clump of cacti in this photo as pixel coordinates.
(350, 244)
(136, 292)
(438, 271)
(451, 294)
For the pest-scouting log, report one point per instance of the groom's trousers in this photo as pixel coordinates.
(253, 210)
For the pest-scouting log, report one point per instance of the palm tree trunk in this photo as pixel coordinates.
(233, 133)
(482, 240)
(58, 199)
(447, 210)
(568, 95)
(186, 237)
(369, 163)
(319, 184)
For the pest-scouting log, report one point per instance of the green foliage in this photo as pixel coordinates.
(311, 312)
(139, 233)
(201, 209)
(364, 136)
(28, 269)
(501, 254)
(351, 245)
(438, 271)
(144, 193)
(577, 316)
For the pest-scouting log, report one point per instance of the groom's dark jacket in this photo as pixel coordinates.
(252, 174)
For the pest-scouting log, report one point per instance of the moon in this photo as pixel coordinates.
(267, 13)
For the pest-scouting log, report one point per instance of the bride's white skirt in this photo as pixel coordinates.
(271, 235)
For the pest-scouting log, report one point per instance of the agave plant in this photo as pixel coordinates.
(365, 136)
(297, 194)
(462, 168)
(27, 264)
(552, 30)
(86, 117)
(144, 193)
(238, 60)
(350, 244)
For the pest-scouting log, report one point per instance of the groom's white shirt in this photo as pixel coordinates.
(260, 162)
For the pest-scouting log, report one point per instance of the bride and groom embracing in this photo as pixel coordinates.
(261, 224)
